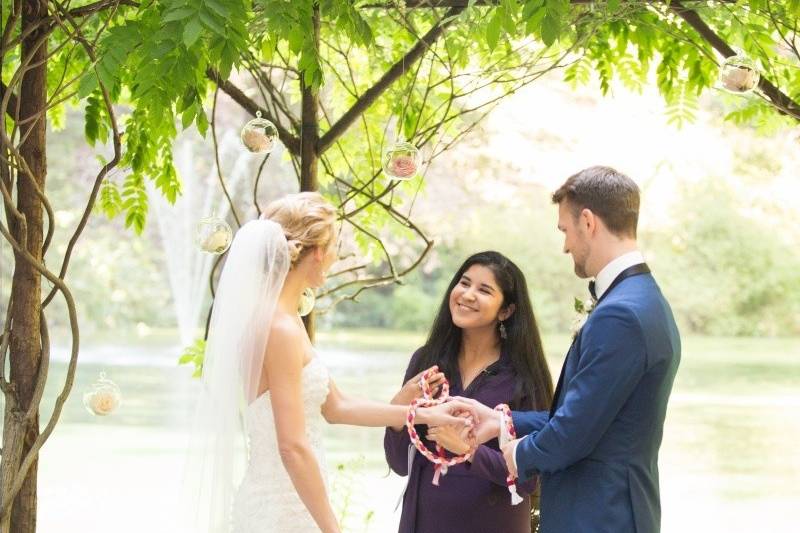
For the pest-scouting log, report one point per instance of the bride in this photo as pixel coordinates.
(261, 372)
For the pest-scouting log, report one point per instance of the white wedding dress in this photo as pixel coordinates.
(267, 501)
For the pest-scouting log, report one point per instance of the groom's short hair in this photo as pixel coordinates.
(607, 193)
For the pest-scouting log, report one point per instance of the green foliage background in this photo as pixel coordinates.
(722, 270)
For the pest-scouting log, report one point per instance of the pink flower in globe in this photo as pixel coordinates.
(403, 166)
(739, 74)
(401, 161)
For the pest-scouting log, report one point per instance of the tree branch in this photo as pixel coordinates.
(19, 478)
(12, 101)
(398, 69)
(784, 104)
(101, 175)
(290, 141)
(218, 164)
(438, 4)
(434, 4)
(96, 7)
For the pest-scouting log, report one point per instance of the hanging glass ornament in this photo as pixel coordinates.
(402, 161)
(739, 74)
(307, 301)
(259, 135)
(213, 235)
(103, 398)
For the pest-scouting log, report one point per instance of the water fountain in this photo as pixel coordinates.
(188, 268)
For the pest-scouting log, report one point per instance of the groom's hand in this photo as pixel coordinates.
(487, 423)
(449, 413)
(508, 454)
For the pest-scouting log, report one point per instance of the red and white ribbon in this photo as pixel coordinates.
(507, 434)
(440, 459)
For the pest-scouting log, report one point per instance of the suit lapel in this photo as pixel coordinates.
(634, 270)
(574, 347)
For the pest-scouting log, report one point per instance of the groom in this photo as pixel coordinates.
(597, 448)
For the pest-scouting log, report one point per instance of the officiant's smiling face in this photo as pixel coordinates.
(477, 300)
(576, 237)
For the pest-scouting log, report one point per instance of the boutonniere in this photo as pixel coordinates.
(583, 309)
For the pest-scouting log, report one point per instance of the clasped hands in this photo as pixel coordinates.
(459, 425)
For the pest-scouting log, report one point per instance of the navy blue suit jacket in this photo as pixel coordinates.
(598, 453)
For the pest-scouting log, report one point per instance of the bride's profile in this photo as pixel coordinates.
(263, 379)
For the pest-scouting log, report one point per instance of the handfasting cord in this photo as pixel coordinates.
(507, 434)
(440, 460)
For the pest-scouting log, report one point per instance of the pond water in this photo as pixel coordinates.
(729, 461)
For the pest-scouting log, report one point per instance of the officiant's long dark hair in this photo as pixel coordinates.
(523, 345)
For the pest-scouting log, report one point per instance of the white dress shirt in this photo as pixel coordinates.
(609, 273)
(602, 282)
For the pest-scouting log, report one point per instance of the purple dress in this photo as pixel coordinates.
(472, 497)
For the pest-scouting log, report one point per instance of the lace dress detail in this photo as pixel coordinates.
(266, 501)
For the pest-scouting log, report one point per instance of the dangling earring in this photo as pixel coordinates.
(503, 332)
(307, 301)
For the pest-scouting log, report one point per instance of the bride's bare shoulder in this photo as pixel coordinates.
(285, 328)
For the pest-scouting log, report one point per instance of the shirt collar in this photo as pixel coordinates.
(609, 273)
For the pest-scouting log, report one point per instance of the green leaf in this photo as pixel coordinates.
(134, 202)
(212, 24)
(493, 30)
(534, 23)
(87, 84)
(192, 32)
(110, 199)
(195, 354)
(219, 8)
(509, 24)
(531, 7)
(179, 14)
(167, 181)
(202, 122)
(551, 27)
(296, 38)
(135, 220)
(187, 117)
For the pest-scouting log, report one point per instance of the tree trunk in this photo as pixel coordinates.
(309, 129)
(309, 141)
(25, 345)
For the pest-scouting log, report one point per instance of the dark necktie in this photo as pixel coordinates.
(592, 291)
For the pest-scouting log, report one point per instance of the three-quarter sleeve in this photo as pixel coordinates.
(395, 447)
(395, 443)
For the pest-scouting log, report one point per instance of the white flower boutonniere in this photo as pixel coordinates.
(582, 309)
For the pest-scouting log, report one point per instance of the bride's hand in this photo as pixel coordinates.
(412, 390)
(455, 412)
(452, 438)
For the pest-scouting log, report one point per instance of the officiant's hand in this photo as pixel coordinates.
(448, 413)
(487, 423)
(508, 454)
(457, 440)
(412, 390)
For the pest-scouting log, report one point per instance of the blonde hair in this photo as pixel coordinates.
(307, 220)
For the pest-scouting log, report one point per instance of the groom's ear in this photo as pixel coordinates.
(507, 312)
(587, 220)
